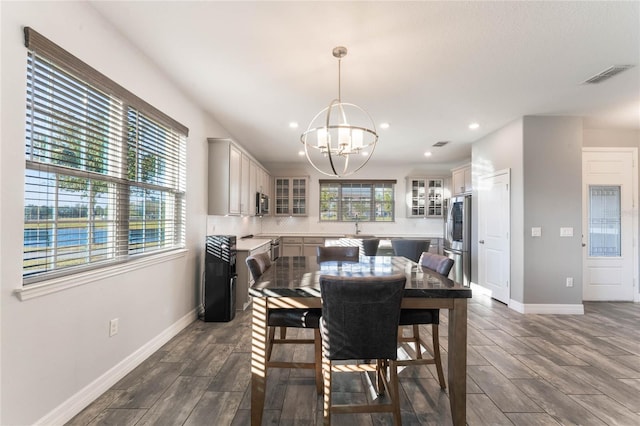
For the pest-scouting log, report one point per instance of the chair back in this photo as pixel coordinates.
(360, 316)
(258, 263)
(370, 246)
(436, 262)
(411, 249)
(350, 253)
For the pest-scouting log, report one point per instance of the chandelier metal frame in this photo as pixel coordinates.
(338, 141)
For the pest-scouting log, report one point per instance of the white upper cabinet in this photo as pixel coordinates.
(234, 179)
(461, 180)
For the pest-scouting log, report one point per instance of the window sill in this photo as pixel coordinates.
(63, 283)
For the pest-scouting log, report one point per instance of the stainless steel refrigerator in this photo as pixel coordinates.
(457, 238)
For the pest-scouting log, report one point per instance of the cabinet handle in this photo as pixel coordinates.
(481, 241)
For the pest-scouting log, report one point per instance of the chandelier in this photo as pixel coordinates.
(341, 138)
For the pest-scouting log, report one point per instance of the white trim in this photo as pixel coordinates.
(76, 403)
(58, 284)
(546, 308)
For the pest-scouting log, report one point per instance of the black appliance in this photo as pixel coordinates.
(457, 238)
(262, 204)
(219, 298)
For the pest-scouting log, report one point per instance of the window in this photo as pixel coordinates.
(105, 172)
(605, 221)
(351, 200)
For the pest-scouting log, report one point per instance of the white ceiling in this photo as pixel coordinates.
(427, 68)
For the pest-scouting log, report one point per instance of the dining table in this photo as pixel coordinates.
(294, 282)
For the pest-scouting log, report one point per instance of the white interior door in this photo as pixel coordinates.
(494, 218)
(609, 223)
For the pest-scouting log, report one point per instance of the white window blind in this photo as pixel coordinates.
(105, 172)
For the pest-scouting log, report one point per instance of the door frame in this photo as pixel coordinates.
(634, 213)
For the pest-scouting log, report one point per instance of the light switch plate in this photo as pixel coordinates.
(536, 231)
(566, 232)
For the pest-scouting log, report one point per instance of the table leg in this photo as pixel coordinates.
(457, 357)
(258, 364)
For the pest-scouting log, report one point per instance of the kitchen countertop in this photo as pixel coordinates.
(249, 244)
(351, 236)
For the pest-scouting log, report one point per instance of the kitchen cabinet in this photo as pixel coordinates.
(291, 196)
(310, 244)
(234, 178)
(292, 246)
(426, 197)
(224, 181)
(245, 187)
(461, 180)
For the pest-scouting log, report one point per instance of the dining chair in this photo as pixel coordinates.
(414, 317)
(288, 317)
(360, 317)
(411, 249)
(345, 253)
(370, 246)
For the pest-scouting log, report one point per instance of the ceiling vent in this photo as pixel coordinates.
(607, 74)
(441, 143)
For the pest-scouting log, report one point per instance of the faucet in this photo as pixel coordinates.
(357, 229)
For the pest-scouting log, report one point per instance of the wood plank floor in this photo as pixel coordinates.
(522, 370)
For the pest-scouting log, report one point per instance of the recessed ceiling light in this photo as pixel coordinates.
(293, 125)
(364, 153)
(301, 153)
(427, 154)
(474, 126)
(384, 125)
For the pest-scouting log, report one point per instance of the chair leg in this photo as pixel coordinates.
(436, 355)
(395, 390)
(283, 332)
(270, 337)
(416, 341)
(381, 367)
(326, 376)
(317, 356)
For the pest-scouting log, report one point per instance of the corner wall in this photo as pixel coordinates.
(552, 199)
(502, 150)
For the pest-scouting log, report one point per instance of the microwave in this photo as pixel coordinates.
(262, 204)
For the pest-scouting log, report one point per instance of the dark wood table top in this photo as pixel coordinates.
(299, 276)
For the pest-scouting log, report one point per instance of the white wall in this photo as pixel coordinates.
(552, 199)
(55, 345)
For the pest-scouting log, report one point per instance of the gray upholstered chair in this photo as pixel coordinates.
(360, 318)
(414, 317)
(349, 253)
(370, 246)
(411, 249)
(288, 317)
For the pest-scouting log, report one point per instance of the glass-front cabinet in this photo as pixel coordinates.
(291, 196)
(426, 197)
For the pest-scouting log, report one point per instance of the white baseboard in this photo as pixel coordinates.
(543, 308)
(72, 406)
(537, 308)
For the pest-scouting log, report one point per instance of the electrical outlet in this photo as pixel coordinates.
(536, 231)
(113, 327)
(569, 281)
